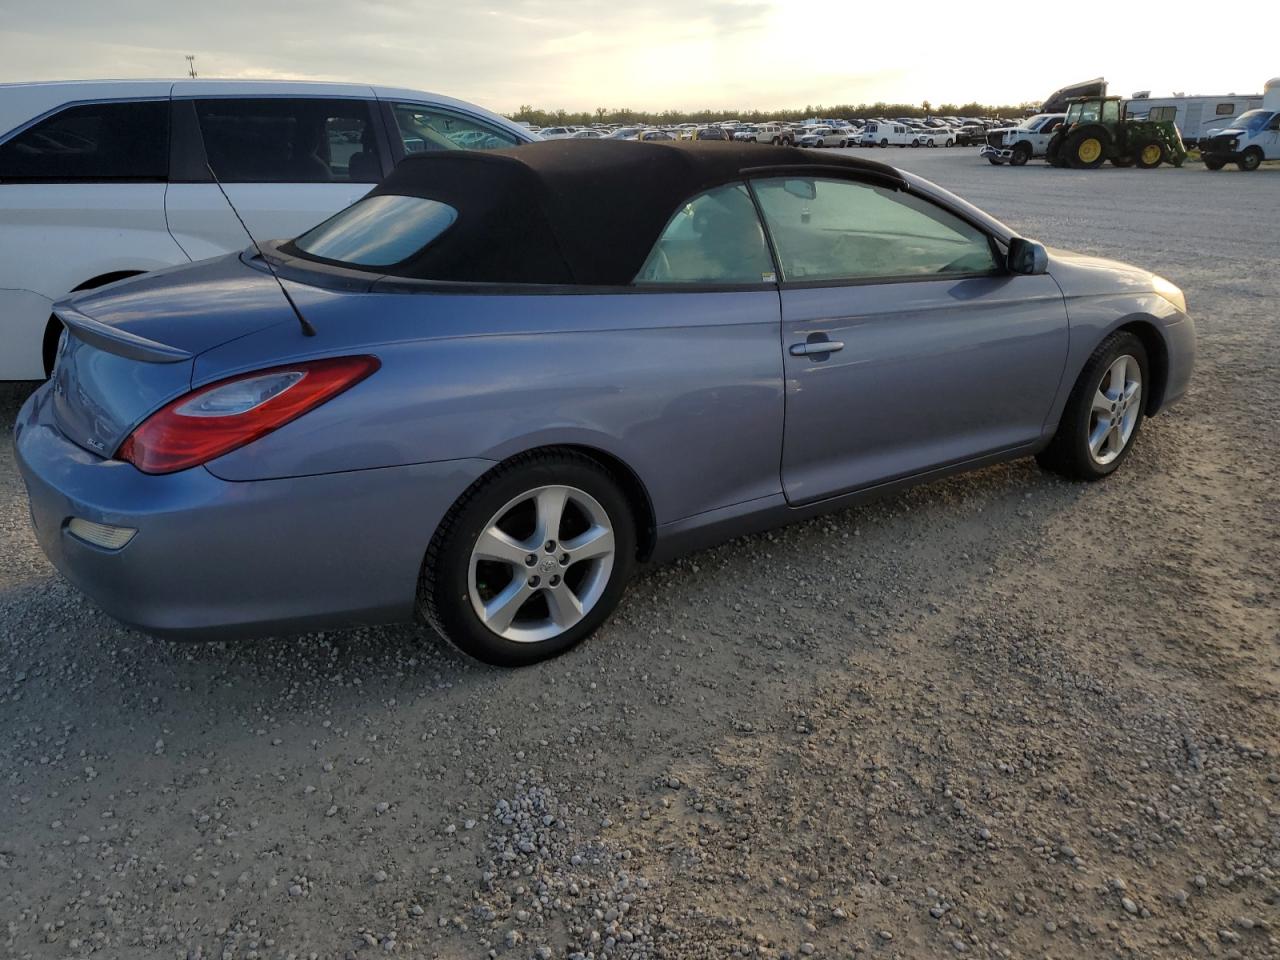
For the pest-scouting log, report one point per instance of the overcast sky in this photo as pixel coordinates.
(656, 54)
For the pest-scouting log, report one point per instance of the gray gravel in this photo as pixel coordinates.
(1001, 715)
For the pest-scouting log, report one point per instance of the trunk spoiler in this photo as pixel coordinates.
(117, 341)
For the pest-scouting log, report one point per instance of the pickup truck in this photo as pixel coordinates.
(1017, 145)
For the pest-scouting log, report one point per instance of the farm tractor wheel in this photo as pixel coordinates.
(1053, 152)
(1148, 155)
(1086, 149)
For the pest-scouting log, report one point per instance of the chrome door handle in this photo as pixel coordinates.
(816, 348)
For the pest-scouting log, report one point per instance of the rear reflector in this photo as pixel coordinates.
(100, 534)
(226, 415)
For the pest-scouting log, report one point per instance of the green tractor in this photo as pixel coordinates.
(1097, 129)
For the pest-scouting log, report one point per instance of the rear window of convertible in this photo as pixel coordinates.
(378, 231)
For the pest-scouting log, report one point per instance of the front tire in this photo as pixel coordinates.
(1251, 159)
(561, 510)
(1104, 412)
(1213, 163)
(1021, 154)
(1149, 155)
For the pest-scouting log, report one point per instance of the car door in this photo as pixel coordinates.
(287, 163)
(1271, 138)
(907, 345)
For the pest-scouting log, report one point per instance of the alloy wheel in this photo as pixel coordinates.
(1116, 406)
(541, 563)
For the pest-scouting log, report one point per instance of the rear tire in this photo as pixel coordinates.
(554, 603)
(1086, 149)
(1250, 159)
(1101, 420)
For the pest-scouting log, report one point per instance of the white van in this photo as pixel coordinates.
(1249, 139)
(882, 133)
(102, 180)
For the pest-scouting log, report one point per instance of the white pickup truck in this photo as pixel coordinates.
(1017, 145)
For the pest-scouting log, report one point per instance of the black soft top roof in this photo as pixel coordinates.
(582, 211)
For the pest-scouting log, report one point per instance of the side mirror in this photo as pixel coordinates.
(1027, 257)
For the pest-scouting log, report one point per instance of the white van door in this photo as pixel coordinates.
(81, 203)
(1271, 138)
(286, 162)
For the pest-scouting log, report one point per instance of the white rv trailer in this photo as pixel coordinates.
(1193, 116)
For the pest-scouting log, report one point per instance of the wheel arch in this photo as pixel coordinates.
(633, 488)
(1153, 342)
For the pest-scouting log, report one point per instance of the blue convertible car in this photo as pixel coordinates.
(505, 379)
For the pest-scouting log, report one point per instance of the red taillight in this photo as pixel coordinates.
(222, 416)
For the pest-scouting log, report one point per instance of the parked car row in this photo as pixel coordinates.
(815, 132)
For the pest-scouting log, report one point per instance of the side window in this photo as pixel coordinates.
(425, 128)
(845, 230)
(1110, 111)
(92, 142)
(1275, 123)
(1163, 113)
(1089, 112)
(284, 140)
(1225, 110)
(714, 238)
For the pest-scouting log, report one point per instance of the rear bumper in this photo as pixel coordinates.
(215, 559)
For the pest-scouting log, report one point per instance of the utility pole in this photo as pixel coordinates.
(191, 65)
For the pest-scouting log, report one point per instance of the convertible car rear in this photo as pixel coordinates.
(533, 370)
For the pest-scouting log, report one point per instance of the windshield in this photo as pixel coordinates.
(378, 231)
(1253, 121)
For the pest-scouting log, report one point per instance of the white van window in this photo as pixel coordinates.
(424, 128)
(287, 140)
(92, 142)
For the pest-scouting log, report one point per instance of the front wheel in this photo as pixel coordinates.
(1250, 159)
(530, 560)
(1021, 154)
(1104, 412)
(1149, 155)
(1214, 163)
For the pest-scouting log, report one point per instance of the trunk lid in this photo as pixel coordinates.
(131, 346)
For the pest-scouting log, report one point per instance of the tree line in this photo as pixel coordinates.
(848, 111)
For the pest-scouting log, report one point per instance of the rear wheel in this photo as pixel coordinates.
(1148, 155)
(1086, 149)
(1104, 412)
(884, 143)
(530, 560)
(1250, 159)
(1021, 154)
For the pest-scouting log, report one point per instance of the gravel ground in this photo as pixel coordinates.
(1002, 715)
